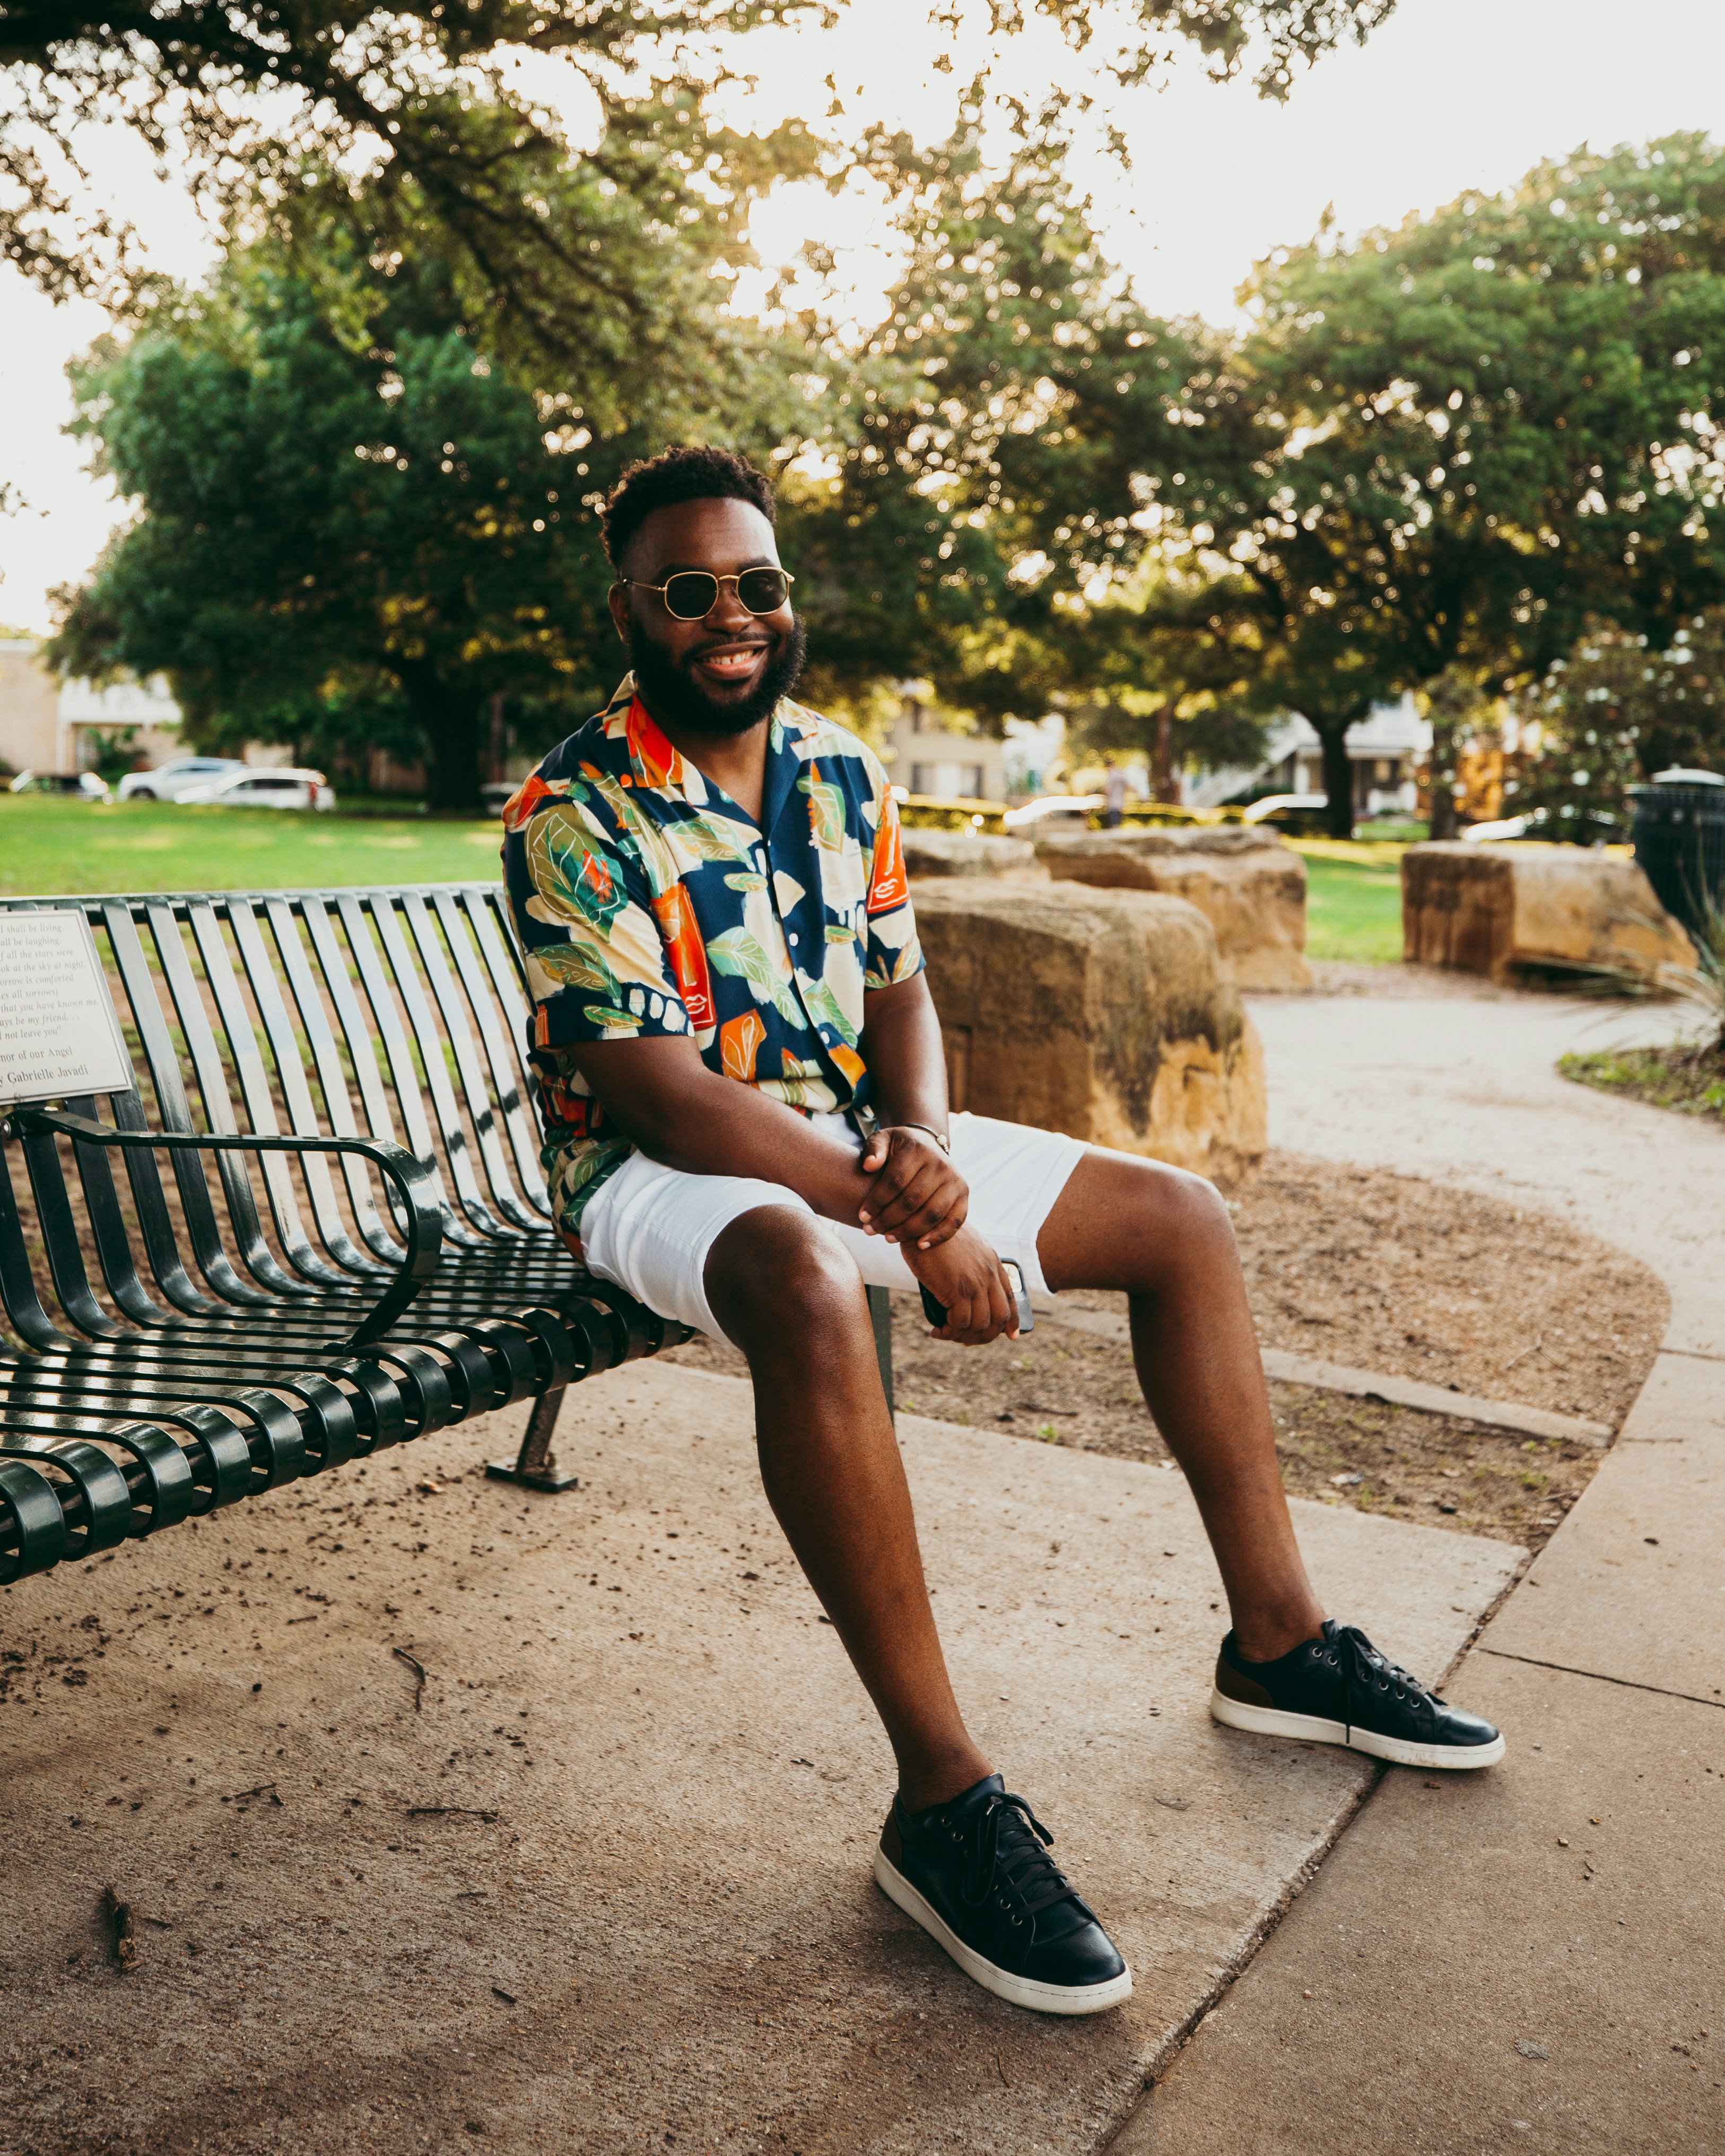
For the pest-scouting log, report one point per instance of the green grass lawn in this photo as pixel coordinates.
(48, 844)
(1353, 890)
(1353, 899)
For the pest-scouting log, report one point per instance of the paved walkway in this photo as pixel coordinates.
(1534, 1959)
(605, 1887)
(608, 1887)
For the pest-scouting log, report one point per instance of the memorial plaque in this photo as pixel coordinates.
(58, 1036)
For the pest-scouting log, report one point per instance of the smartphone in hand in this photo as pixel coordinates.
(936, 1312)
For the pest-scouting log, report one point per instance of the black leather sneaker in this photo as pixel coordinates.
(1339, 1689)
(975, 1875)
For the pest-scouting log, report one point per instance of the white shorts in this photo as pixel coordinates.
(650, 1227)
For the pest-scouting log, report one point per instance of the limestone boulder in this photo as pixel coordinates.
(1248, 886)
(1508, 909)
(1104, 1014)
(964, 853)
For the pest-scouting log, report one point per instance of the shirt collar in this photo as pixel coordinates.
(656, 762)
(653, 761)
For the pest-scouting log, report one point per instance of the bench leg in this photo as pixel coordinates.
(881, 1318)
(535, 1467)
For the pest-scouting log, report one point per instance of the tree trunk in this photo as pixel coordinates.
(1164, 785)
(449, 719)
(1442, 782)
(1339, 774)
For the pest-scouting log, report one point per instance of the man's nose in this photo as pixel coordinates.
(727, 611)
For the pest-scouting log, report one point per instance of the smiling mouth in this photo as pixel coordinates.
(730, 662)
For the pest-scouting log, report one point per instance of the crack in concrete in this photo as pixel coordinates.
(1599, 1676)
(1156, 2066)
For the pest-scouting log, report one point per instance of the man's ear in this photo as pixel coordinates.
(617, 599)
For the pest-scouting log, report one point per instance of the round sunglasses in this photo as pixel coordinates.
(691, 594)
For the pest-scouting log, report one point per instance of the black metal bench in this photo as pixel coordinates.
(174, 1344)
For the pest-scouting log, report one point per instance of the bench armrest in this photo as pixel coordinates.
(413, 1184)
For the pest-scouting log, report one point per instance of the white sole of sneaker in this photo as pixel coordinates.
(1314, 1729)
(1020, 1991)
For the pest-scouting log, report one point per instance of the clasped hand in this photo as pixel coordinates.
(918, 1200)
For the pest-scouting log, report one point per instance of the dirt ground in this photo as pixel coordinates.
(1381, 1272)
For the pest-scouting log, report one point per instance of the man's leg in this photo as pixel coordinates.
(790, 1297)
(957, 1853)
(1166, 1238)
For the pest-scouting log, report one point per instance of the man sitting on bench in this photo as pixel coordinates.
(745, 1115)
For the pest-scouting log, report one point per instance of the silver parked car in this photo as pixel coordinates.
(171, 781)
(284, 788)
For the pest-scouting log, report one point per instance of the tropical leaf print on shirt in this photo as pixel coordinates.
(571, 870)
(738, 952)
(739, 1038)
(826, 810)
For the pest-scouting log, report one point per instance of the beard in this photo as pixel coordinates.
(671, 691)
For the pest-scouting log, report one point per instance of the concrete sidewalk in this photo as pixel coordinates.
(1532, 1958)
(607, 1886)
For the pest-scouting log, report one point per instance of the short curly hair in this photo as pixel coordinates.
(688, 475)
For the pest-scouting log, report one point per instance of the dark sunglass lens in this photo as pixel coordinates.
(691, 594)
(762, 591)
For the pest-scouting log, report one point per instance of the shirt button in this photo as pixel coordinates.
(794, 939)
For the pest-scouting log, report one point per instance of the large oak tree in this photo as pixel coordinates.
(366, 537)
(426, 109)
(1454, 442)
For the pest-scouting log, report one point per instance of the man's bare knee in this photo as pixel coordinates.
(1135, 1224)
(778, 1274)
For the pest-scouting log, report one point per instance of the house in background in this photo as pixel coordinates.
(49, 725)
(1385, 750)
(925, 757)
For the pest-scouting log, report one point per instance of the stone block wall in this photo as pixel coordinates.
(1248, 886)
(1507, 909)
(1104, 1014)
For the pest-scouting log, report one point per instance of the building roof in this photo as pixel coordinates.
(1394, 729)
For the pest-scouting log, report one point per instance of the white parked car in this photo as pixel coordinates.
(86, 785)
(246, 788)
(1309, 807)
(172, 782)
(1056, 807)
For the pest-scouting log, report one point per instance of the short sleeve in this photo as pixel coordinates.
(894, 952)
(597, 964)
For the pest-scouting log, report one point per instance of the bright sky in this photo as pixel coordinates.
(1450, 94)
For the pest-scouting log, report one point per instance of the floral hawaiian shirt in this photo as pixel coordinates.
(649, 903)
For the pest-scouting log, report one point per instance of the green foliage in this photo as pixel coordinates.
(438, 120)
(338, 542)
(1436, 451)
(1458, 709)
(114, 749)
(424, 110)
(1617, 709)
(969, 480)
(1451, 443)
(1688, 1080)
(1148, 33)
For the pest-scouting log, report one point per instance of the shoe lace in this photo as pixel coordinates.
(1008, 1846)
(1366, 1669)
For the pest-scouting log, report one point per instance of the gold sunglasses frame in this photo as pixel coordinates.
(720, 581)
